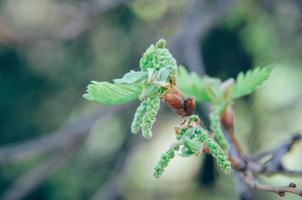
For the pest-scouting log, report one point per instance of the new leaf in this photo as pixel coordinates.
(131, 77)
(250, 81)
(191, 85)
(112, 94)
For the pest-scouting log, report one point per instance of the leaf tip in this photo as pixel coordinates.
(161, 43)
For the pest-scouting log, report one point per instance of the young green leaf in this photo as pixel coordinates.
(157, 57)
(191, 144)
(191, 85)
(112, 94)
(250, 81)
(132, 77)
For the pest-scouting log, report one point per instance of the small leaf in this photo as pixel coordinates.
(191, 85)
(163, 75)
(214, 90)
(250, 81)
(161, 43)
(192, 145)
(112, 94)
(132, 77)
(185, 152)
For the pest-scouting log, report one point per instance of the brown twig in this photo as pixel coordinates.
(270, 167)
(249, 179)
(54, 141)
(30, 180)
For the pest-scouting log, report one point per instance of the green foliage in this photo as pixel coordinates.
(191, 140)
(157, 57)
(250, 81)
(158, 67)
(191, 85)
(112, 94)
(131, 77)
(215, 91)
(158, 71)
(210, 89)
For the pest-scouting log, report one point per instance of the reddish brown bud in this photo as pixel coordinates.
(173, 98)
(227, 119)
(189, 106)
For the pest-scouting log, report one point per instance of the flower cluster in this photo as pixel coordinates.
(161, 68)
(164, 160)
(192, 140)
(216, 127)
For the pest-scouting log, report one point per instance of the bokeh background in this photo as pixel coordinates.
(56, 145)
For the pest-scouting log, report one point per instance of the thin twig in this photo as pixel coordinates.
(54, 141)
(30, 180)
(280, 190)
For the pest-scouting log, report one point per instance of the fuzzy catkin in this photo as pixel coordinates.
(138, 116)
(164, 160)
(216, 128)
(158, 57)
(149, 116)
(215, 150)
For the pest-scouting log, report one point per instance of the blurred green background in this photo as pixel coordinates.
(51, 49)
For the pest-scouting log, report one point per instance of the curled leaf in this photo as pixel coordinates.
(192, 145)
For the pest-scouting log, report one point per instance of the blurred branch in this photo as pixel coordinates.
(82, 17)
(249, 179)
(271, 166)
(62, 143)
(55, 141)
(8, 35)
(79, 17)
(112, 189)
(32, 179)
(271, 162)
(201, 17)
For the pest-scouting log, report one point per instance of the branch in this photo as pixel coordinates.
(201, 17)
(32, 179)
(270, 167)
(281, 190)
(83, 17)
(63, 144)
(54, 141)
(112, 189)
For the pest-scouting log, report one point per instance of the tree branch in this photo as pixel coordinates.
(54, 141)
(281, 190)
(32, 179)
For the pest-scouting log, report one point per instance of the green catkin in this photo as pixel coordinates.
(164, 160)
(149, 116)
(157, 57)
(216, 128)
(215, 150)
(138, 116)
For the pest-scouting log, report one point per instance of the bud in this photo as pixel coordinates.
(227, 118)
